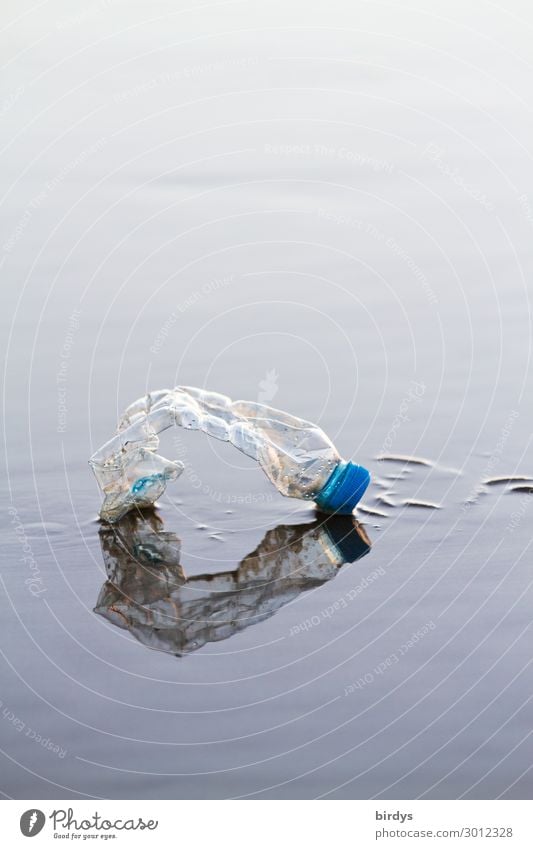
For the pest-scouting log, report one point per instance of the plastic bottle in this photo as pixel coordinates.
(296, 455)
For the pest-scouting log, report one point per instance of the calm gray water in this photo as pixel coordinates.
(328, 209)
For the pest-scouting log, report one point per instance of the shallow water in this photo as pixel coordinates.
(334, 219)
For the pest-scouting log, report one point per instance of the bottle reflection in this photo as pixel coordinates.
(148, 593)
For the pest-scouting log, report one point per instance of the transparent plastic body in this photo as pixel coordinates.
(296, 455)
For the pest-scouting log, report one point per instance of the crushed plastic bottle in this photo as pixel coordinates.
(296, 455)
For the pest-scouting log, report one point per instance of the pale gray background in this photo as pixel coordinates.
(334, 199)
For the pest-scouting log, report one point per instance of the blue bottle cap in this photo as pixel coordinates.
(343, 489)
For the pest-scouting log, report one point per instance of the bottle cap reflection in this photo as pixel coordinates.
(148, 593)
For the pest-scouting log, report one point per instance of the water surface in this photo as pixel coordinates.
(326, 209)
